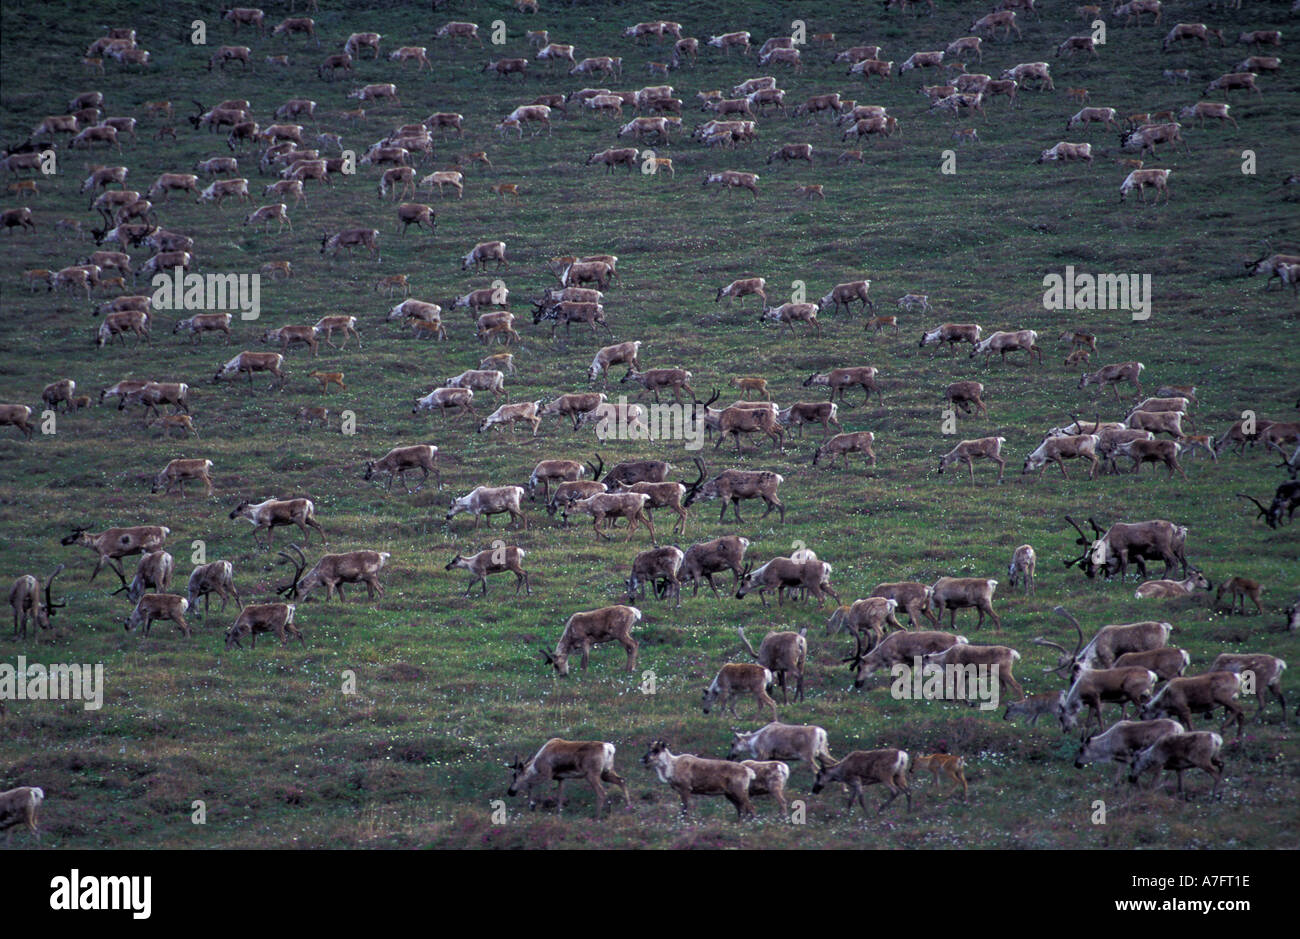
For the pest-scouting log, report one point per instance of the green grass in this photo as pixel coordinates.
(448, 689)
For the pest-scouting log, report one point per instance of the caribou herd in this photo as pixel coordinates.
(1136, 664)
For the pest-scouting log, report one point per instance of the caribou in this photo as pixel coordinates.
(612, 506)
(952, 334)
(811, 412)
(1094, 687)
(397, 462)
(955, 593)
(176, 472)
(1111, 550)
(486, 501)
(271, 513)
(1181, 752)
(584, 630)
(898, 648)
(496, 560)
(264, 618)
(215, 577)
(251, 362)
(737, 679)
(112, 544)
(843, 444)
(910, 596)
(155, 606)
(776, 741)
(25, 598)
(863, 768)
(1266, 671)
(1180, 698)
(332, 571)
(703, 560)
(1123, 741)
(689, 775)
(1107, 646)
(657, 568)
(561, 760)
(839, 380)
(968, 451)
(870, 616)
(786, 574)
(732, 486)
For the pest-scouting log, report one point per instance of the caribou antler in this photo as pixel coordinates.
(1066, 658)
(695, 486)
(699, 410)
(1096, 423)
(1070, 657)
(1078, 561)
(691, 487)
(1263, 512)
(859, 653)
(50, 605)
(299, 564)
(596, 470)
(748, 647)
(1083, 539)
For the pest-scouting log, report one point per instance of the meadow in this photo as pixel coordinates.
(449, 688)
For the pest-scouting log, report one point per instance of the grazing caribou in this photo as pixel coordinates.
(561, 760)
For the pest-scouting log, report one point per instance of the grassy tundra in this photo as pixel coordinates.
(448, 689)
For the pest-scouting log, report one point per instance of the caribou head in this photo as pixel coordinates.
(78, 536)
(559, 662)
(1087, 561)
